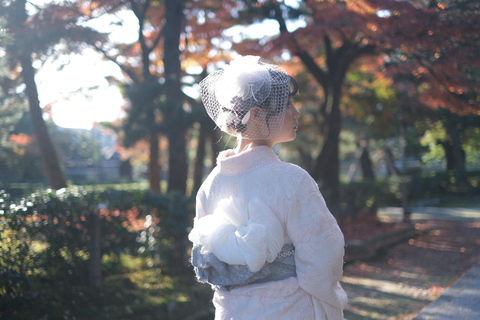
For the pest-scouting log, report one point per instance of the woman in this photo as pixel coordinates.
(263, 236)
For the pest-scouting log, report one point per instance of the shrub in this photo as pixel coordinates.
(367, 195)
(46, 236)
(429, 185)
(17, 264)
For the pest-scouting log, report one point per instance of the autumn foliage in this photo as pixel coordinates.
(428, 50)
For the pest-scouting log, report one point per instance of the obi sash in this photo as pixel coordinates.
(221, 275)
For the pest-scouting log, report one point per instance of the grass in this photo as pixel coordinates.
(131, 290)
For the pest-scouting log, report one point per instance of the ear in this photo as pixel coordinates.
(256, 115)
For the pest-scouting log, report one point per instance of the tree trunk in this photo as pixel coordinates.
(306, 160)
(177, 162)
(175, 115)
(200, 157)
(362, 158)
(458, 154)
(95, 248)
(454, 153)
(327, 164)
(154, 175)
(51, 164)
(449, 157)
(390, 161)
(214, 139)
(23, 53)
(405, 206)
(338, 60)
(366, 164)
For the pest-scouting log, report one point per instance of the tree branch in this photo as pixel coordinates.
(296, 49)
(351, 53)
(435, 76)
(135, 8)
(157, 40)
(281, 21)
(432, 4)
(128, 71)
(329, 52)
(140, 13)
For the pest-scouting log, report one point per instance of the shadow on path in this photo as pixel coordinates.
(412, 274)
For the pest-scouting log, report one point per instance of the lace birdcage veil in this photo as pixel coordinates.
(230, 94)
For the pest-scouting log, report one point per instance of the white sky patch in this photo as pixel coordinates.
(79, 93)
(122, 26)
(292, 3)
(82, 112)
(384, 13)
(265, 29)
(76, 85)
(192, 91)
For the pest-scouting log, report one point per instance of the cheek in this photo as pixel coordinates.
(291, 116)
(288, 114)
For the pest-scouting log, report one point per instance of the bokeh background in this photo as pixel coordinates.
(104, 143)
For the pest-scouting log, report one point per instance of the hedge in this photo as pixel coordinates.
(46, 237)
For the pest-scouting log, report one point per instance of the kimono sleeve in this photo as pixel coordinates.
(319, 246)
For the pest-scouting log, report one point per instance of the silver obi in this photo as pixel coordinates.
(225, 276)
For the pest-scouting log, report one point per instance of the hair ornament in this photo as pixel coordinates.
(246, 117)
(243, 78)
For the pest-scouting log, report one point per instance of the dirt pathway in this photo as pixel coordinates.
(399, 283)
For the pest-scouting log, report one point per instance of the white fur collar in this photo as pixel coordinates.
(231, 163)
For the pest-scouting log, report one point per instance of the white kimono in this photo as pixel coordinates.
(294, 200)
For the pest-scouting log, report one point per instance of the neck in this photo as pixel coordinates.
(245, 144)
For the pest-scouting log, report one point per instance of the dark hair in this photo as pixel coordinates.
(294, 86)
(282, 104)
(234, 119)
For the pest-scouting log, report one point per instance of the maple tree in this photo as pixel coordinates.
(155, 65)
(407, 37)
(434, 41)
(440, 69)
